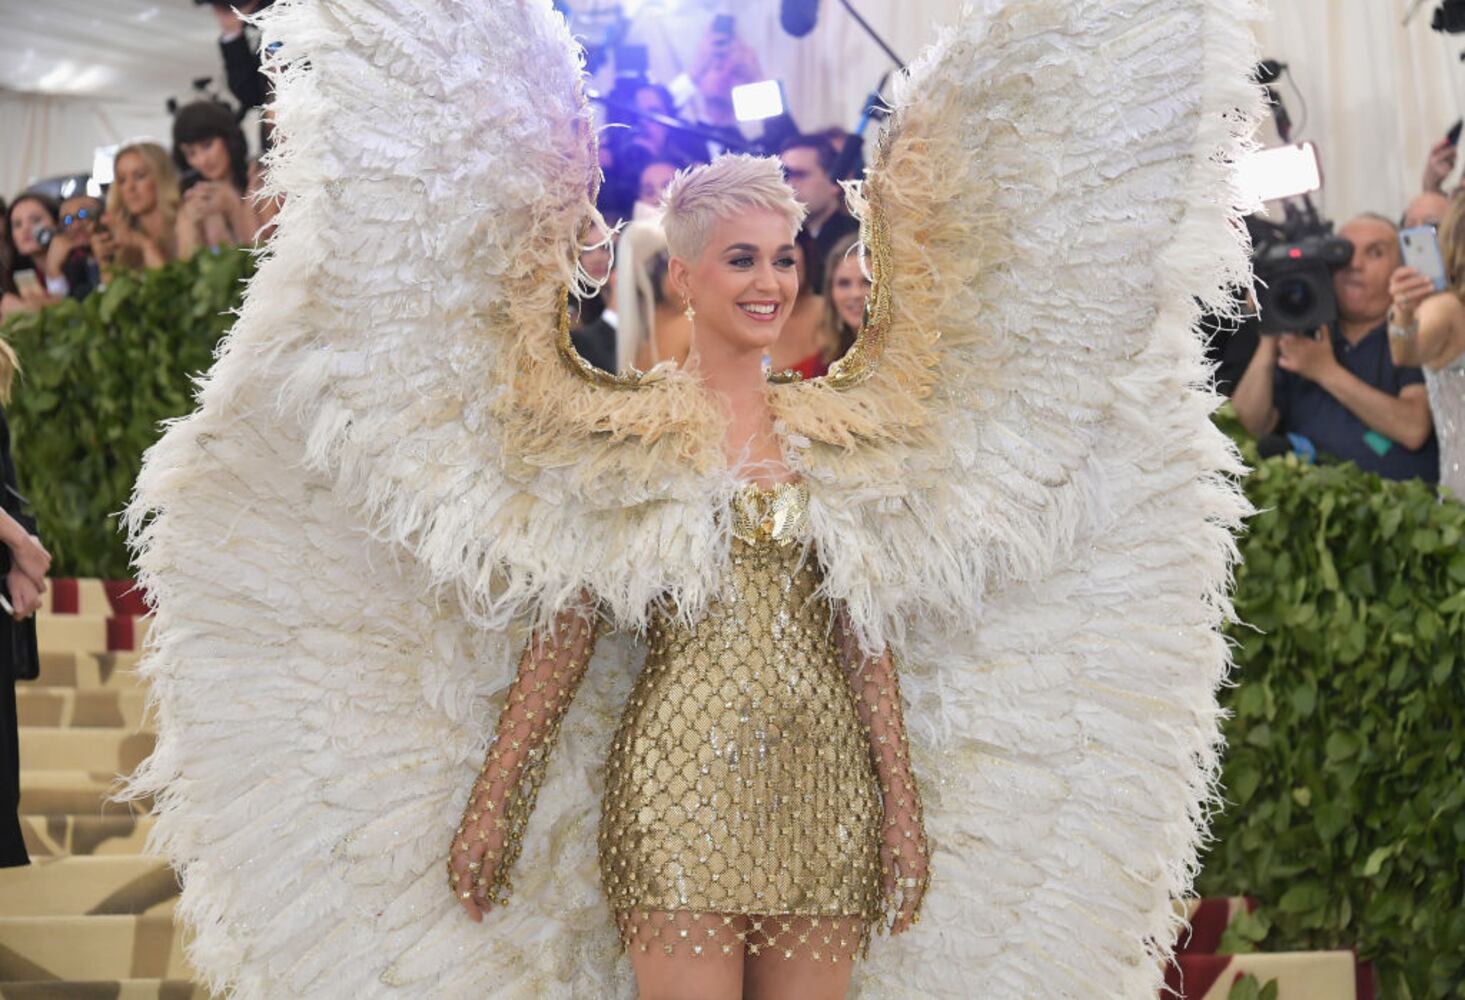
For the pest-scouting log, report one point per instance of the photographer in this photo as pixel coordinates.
(1341, 389)
(69, 255)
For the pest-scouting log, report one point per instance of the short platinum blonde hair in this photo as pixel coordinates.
(699, 197)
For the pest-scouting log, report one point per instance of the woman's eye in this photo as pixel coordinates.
(787, 262)
(741, 262)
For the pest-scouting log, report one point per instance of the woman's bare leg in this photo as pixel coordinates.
(801, 958)
(700, 966)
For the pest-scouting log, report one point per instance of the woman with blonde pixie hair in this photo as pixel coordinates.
(742, 854)
(1427, 329)
(142, 209)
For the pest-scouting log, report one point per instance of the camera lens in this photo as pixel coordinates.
(1294, 297)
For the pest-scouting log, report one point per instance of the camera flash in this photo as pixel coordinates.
(1282, 172)
(753, 102)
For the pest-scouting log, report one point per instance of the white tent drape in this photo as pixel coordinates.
(1377, 95)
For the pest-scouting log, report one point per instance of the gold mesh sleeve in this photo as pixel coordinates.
(490, 836)
(905, 857)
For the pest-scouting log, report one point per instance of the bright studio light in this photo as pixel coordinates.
(1281, 172)
(103, 163)
(753, 102)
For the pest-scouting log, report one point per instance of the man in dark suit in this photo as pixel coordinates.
(808, 163)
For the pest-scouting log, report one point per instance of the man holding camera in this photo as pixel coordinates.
(1339, 389)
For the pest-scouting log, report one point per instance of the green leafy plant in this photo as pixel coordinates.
(98, 378)
(1248, 987)
(1343, 773)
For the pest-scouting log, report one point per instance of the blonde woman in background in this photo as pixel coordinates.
(1427, 329)
(142, 210)
(651, 325)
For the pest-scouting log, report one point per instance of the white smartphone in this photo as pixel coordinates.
(1422, 252)
(26, 281)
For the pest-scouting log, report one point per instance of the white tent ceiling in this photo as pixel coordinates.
(116, 50)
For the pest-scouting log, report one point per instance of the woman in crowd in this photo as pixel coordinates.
(217, 206)
(1427, 329)
(142, 210)
(846, 287)
(800, 346)
(30, 217)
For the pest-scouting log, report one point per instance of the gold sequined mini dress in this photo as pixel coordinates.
(741, 800)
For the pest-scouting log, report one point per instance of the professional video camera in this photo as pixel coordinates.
(1294, 275)
(1294, 260)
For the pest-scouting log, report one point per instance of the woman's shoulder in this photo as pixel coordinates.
(1447, 306)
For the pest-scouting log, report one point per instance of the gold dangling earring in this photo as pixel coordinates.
(689, 312)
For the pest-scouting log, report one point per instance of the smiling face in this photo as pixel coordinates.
(210, 157)
(136, 183)
(743, 284)
(849, 289)
(25, 218)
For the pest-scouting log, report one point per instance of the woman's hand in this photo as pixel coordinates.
(904, 854)
(105, 244)
(61, 246)
(1408, 288)
(25, 598)
(32, 559)
(478, 847)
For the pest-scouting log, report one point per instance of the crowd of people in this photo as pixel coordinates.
(160, 206)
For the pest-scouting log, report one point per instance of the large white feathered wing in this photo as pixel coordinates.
(1056, 193)
(322, 704)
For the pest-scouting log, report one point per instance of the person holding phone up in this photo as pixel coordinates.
(1427, 328)
(1341, 389)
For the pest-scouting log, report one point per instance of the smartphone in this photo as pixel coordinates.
(26, 281)
(1453, 136)
(724, 24)
(1422, 252)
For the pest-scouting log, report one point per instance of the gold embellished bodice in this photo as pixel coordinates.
(741, 801)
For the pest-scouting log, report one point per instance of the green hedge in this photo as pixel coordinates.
(1343, 774)
(97, 377)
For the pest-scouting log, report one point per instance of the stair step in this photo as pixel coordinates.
(105, 750)
(58, 835)
(72, 596)
(113, 989)
(72, 633)
(81, 708)
(81, 886)
(91, 948)
(87, 670)
(82, 793)
(1297, 973)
